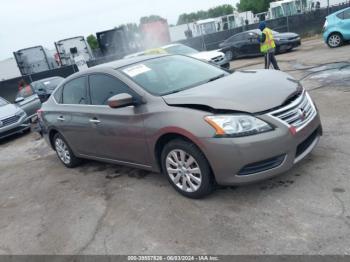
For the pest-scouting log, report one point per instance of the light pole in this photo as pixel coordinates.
(327, 6)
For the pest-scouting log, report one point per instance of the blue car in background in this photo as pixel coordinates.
(337, 28)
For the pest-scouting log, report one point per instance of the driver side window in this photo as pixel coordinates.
(103, 87)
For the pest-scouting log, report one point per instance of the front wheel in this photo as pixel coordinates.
(187, 169)
(335, 40)
(64, 152)
(229, 55)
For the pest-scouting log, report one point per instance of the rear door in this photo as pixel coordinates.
(72, 119)
(118, 132)
(30, 103)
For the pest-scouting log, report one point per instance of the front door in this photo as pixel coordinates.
(118, 132)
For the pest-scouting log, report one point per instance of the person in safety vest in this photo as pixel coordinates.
(267, 46)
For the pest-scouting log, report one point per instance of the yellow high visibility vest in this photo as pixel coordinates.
(269, 42)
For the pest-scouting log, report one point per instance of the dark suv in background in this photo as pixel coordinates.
(44, 87)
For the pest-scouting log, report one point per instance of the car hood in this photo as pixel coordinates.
(207, 55)
(8, 110)
(244, 91)
(285, 35)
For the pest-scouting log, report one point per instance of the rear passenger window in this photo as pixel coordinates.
(103, 87)
(341, 15)
(239, 37)
(346, 14)
(74, 92)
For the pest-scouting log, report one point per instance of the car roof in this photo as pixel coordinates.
(171, 45)
(338, 12)
(257, 31)
(47, 79)
(115, 65)
(126, 61)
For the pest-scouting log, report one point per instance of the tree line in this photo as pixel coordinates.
(256, 6)
(217, 11)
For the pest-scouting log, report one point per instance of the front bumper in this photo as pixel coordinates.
(18, 127)
(234, 160)
(224, 63)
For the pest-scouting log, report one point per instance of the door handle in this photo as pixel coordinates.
(94, 121)
(60, 118)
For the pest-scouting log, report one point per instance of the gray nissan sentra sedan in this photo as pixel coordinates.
(192, 121)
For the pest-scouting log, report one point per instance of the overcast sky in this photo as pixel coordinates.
(26, 23)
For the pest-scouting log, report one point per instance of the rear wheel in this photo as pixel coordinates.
(187, 169)
(335, 40)
(64, 152)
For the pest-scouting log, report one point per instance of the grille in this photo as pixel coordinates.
(307, 142)
(10, 120)
(262, 165)
(217, 59)
(298, 113)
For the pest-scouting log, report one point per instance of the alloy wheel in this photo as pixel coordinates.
(334, 40)
(62, 151)
(183, 170)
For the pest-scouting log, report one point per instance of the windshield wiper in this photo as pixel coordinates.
(175, 91)
(215, 78)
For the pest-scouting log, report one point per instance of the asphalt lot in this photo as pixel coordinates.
(107, 209)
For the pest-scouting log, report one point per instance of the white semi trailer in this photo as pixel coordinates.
(34, 60)
(70, 48)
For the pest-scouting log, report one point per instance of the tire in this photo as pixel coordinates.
(185, 156)
(64, 152)
(277, 50)
(335, 40)
(229, 55)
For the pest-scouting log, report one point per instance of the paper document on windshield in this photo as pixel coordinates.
(136, 70)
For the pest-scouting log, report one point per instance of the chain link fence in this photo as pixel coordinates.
(306, 24)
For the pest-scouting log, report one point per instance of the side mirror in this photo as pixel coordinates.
(19, 99)
(121, 100)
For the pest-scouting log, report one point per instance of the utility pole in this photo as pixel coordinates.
(328, 7)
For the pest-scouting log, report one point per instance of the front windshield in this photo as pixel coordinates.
(180, 50)
(170, 74)
(53, 83)
(3, 102)
(37, 85)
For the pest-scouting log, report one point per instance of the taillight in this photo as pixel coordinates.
(325, 25)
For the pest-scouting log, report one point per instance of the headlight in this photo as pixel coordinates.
(21, 113)
(237, 125)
